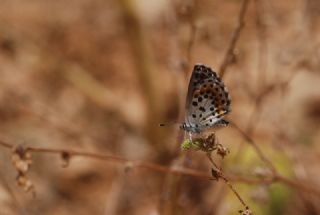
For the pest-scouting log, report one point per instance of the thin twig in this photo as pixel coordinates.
(229, 56)
(255, 115)
(144, 68)
(282, 85)
(16, 204)
(193, 33)
(255, 146)
(225, 179)
(263, 42)
(160, 168)
(276, 176)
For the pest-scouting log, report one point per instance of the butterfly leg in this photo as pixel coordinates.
(190, 136)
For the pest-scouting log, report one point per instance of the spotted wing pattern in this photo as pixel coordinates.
(207, 100)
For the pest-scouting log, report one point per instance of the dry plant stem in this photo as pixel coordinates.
(257, 149)
(16, 206)
(144, 68)
(234, 39)
(170, 193)
(263, 42)
(225, 179)
(256, 114)
(193, 33)
(254, 118)
(262, 96)
(212, 162)
(276, 177)
(83, 81)
(170, 207)
(113, 158)
(303, 186)
(298, 165)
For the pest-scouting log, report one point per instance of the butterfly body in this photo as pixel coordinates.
(207, 101)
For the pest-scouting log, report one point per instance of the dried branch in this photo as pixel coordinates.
(255, 146)
(302, 186)
(276, 176)
(229, 56)
(193, 33)
(217, 173)
(144, 68)
(282, 85)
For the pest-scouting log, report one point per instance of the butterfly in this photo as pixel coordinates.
(208, 101)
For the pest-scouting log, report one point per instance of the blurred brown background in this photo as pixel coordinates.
(99, 76)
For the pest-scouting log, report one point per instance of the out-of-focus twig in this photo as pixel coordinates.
(193, 33)
(15, 205)
(263, 42)
(302, 186)
(173, 184)
(255, 115)
(255, 146)
(103, 96)
(229, 56)
(144, 68)
(276, 176)
(282, 85)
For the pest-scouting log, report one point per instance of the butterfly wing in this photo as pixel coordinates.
(207, 100)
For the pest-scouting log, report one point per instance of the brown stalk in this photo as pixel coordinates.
(303, 186)
(144, 68)
(221, 175)
(229, 56)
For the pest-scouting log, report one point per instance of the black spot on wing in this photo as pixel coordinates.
(202, 109)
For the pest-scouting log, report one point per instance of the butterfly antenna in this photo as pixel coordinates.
(168, 124)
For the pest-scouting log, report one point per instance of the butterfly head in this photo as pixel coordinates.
(190, 128)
